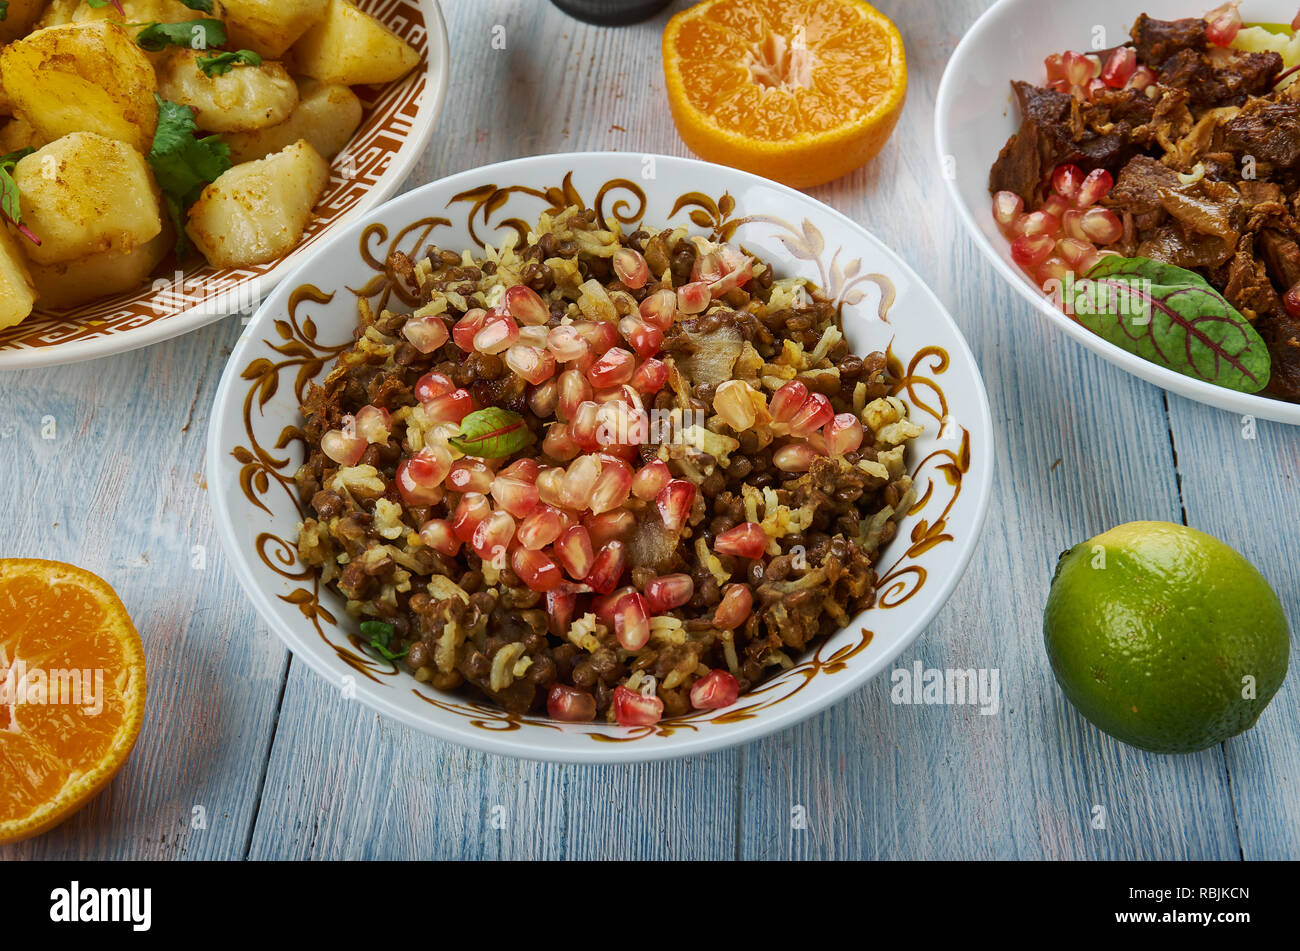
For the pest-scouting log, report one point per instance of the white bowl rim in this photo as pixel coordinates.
(1233, 401)
(678, 746)
(437, 78)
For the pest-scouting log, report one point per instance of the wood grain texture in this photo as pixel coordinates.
(285, 767)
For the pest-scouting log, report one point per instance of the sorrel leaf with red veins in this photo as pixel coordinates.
(492, 433)
(1174, 318)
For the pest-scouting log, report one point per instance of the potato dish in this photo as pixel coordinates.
(135, 130)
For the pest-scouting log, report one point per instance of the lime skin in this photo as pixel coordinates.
(1165, 637)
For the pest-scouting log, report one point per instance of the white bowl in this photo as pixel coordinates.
(292, 339)
(976, 113)
(396, 125)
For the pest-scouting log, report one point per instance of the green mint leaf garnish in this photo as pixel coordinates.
(380, 635)
(492, 433)
(183, 164)
(221, 63)
(195, 34)
(1171, 317)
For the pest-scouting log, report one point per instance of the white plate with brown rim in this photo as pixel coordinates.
(254, 446)
(396, 125)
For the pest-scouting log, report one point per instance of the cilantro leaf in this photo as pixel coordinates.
(380, 634)
(4, 10)
(221, 63)
(195, 34)
(203, 6)
(183, 164)
(10, 198)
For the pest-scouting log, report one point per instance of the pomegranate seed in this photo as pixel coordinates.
(1053, 269)
(534, 364)
(373, 424)
(493, 535)
(438, 535)
(1094, 188)
(561, 605)
(419, 477)
(497, 335)
(559, 444)
(450, 407)
(1073, 225)
(1089, 261)
(734, 608)
(1007, 208)
(746, 540)
(715, 690)
(843, 435)
(1066, 180)
(1073, 250)
(612, 487)
(795, 457)
(526, 469)
(631, 622)
(815, 413)
(650, 376)
(599, 335)
(1055, 206)
(574, 552)
(1295, 24)
(733, 401)
(474, 507)
(426, 334)
(651, 478)
(606, 527)
(787, 401)
(631, 268)
(1102, 226)
(570, 704)
(1142, 79)
(1222, 24)
(573, 391)
(613, 368)
(603, 605)
(542, 526)
(525, 305)
(674, 502)
(345, 446)
(634, 709)
(432, 385)
(707, 267)
(579, 481)
(694, 298)
(608, 567)
(550, 485)
(544, 397)
(584, 426)
(736, 273)
(645, 340)
(1081, 69)
(666, 592)
(470, 475)
(1029, 251)
(565, 344)
(1119, 68)
(516, 496)
(1038, 222)
(660, 309)
(1055, 66)
(535, 569)
(467, 327)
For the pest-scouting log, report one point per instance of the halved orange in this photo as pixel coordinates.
(72, 689)
(800, 91)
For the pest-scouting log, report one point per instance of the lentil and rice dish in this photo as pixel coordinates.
(601, 475)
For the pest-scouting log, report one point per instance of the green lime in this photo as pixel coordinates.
(1164, 637)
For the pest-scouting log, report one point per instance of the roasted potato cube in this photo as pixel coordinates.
(82, 77)
(18, 134)
(72, 283)
(84, 194)
(246, 98)
(19, 19)
(326, 117)
(270, 27)
(256, 212)
(133, 11)
(352, 48)
(6, 104)
(17, 292)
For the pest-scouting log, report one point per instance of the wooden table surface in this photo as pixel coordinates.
(245, 753)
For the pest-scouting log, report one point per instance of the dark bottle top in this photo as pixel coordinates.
(611, 12)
